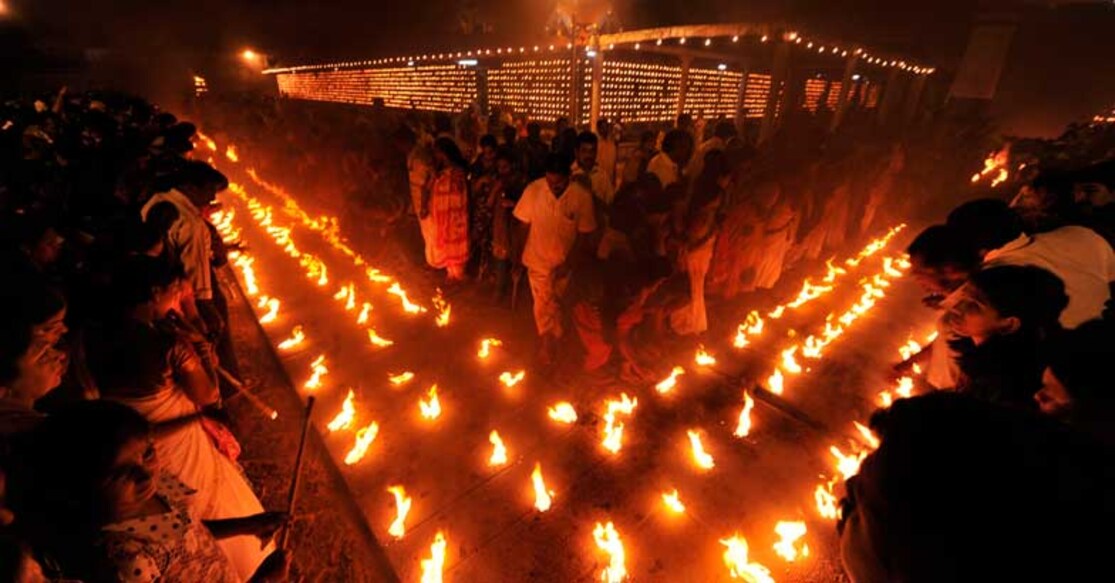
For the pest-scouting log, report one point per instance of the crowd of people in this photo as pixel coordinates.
(116, 460)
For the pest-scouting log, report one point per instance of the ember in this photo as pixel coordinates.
(364, 438)
(296, 338)
(789, 533)
(563, 412)
(700, 457)
(433, 566)
(672, 502)
(510, 379)
(667, 384)
(486, 346)
(607, 540)
(365, 310)
(401, 378)
(499, 452)
(402, 508)
(703, 358)
(378, 340)
(543, 498)
(344, 419)
(317, 370)
(739, 565)
(613, 430)
(743, 427)
(431, 406)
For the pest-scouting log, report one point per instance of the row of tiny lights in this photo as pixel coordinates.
(470, 56)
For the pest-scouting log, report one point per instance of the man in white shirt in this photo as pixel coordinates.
(557, 212)
(1082, 259)
(606, 149)
(588, 172)
(723, 132)
(189, 236)
(677, 149)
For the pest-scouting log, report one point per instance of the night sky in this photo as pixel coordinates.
(1059, 44)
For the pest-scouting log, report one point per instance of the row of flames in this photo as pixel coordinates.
(995, 168)
(789, 546)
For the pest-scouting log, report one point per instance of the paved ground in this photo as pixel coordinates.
(486, 513)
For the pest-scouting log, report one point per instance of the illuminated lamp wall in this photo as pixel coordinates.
(430, 88)
(538, 89)
(755, 95)
(814, 89)
(712, 93)
(834, 95)
(639, 92)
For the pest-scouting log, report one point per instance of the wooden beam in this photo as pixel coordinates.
(687, 31)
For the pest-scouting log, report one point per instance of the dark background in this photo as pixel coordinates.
(1059, 68)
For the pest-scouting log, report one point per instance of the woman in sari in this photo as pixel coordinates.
(149, 360)
(446, 205)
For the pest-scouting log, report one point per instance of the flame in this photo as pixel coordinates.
(563, 412)
(345, 292)
(743, 428)
(272, 311)
(297, 336)
(833, 271)
(402, 508)
(486, 346)
(847, 465)
(667, 384)
(789, 363)
(364, 438)
(905, 387)
(671, 500)
(499, 452)
(317, 370)
(375, 276)
(774, 383)
(607, 539)
(613, 430)
(433, 566)
(868, 436)
(245, 264)
(789, 533)
(808, 293)
(430, 407)
(916, 368)
(777, 312)
(443, 308)
(378, 340)
(703, 358)
(510, 379)
(752, 326)
(995, 162)
(344, 419)
(889, 267)
(230, 153)
(209, 143)
(408, 306)
(401, 378)
(364, 311)
(700, 457)
(826, 500)
(738, 563)
(543, 498)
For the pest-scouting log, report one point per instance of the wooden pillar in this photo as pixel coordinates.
(779, 75)
(892, 92)
(683, 86)
(482, 90)
(741, 113)
(845, 92)
(597, 84)
(913, 98)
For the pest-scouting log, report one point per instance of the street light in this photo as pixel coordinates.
(250, 56)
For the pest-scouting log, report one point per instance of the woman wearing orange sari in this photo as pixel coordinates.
(446, 204)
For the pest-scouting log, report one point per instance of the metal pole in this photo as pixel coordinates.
(597, 85)
(296, 480)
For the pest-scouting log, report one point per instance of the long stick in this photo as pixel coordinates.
(296, 480)
(238, 385)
